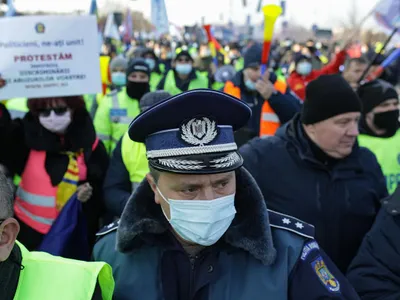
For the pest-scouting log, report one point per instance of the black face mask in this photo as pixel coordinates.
(388, 120)
(136, 90)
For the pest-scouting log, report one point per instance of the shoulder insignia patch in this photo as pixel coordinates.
(392, 203)
(286, 222)
(109, 228)
(325, 276)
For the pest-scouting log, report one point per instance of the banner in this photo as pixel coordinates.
(159, 17)
(387, 13)
(45, 56)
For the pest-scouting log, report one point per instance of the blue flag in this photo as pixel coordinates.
(11, 12)
(68, 235)
(93, 8)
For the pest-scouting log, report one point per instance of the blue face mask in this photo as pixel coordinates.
(151, 63)
(304, 68)
(184, 69)
(118, 78)
(202, 222)
(250, 85)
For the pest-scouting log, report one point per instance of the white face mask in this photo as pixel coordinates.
(184, 69)
(304, 68)
(56, 123)
(202, 222)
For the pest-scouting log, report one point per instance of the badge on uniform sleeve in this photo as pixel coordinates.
(324, 275)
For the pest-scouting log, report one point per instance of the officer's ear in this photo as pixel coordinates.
(152, 182)
(9, 230)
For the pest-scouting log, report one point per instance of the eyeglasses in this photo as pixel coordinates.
(57, 110)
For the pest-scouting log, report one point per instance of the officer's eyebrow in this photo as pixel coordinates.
(224, 179)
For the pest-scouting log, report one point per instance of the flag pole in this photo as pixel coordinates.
(377, 55)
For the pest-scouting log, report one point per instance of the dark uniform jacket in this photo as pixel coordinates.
(340, 198)
(253, 260)
(375, 272)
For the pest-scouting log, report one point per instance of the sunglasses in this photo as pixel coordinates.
(58, 111)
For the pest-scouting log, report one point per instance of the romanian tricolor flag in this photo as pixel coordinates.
(69, 184)
(213, 44)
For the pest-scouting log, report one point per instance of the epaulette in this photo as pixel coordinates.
(289, 223)
(109, 228)
(392, 203)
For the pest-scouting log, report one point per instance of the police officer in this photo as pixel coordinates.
(38, 275)
(183, 77)
(128, 165)
(198, 227)
(118, 108)
(380, 128)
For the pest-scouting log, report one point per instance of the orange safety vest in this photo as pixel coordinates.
(35, 202)
(270, 122)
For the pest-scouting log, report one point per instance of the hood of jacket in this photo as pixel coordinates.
(250, 230)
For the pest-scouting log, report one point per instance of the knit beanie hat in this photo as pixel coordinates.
(328, 96)
(300, 57)
(184, 53)
(138, 65)
(252, 56)
(152, 98)
(118, 62)
(374, 93)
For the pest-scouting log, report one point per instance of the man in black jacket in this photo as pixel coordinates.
(314, 169)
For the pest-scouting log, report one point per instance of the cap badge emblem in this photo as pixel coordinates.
(199, 132)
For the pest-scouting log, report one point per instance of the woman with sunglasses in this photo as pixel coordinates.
(57, 154)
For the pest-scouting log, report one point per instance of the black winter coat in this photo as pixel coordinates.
(375, 272)
(341, 202)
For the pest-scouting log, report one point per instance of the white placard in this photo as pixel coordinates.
(46, 56)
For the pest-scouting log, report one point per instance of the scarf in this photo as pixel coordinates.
(9, 274)
(69, 184)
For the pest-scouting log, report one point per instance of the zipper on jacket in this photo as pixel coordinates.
(192, 269)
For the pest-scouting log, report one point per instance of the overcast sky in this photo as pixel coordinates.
(324, 13)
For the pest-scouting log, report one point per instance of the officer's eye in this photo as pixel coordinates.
(222, 184)
(190, 190)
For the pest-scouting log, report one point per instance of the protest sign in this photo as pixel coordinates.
(46, 56)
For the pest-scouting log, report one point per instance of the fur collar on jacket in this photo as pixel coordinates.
(250, 230)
